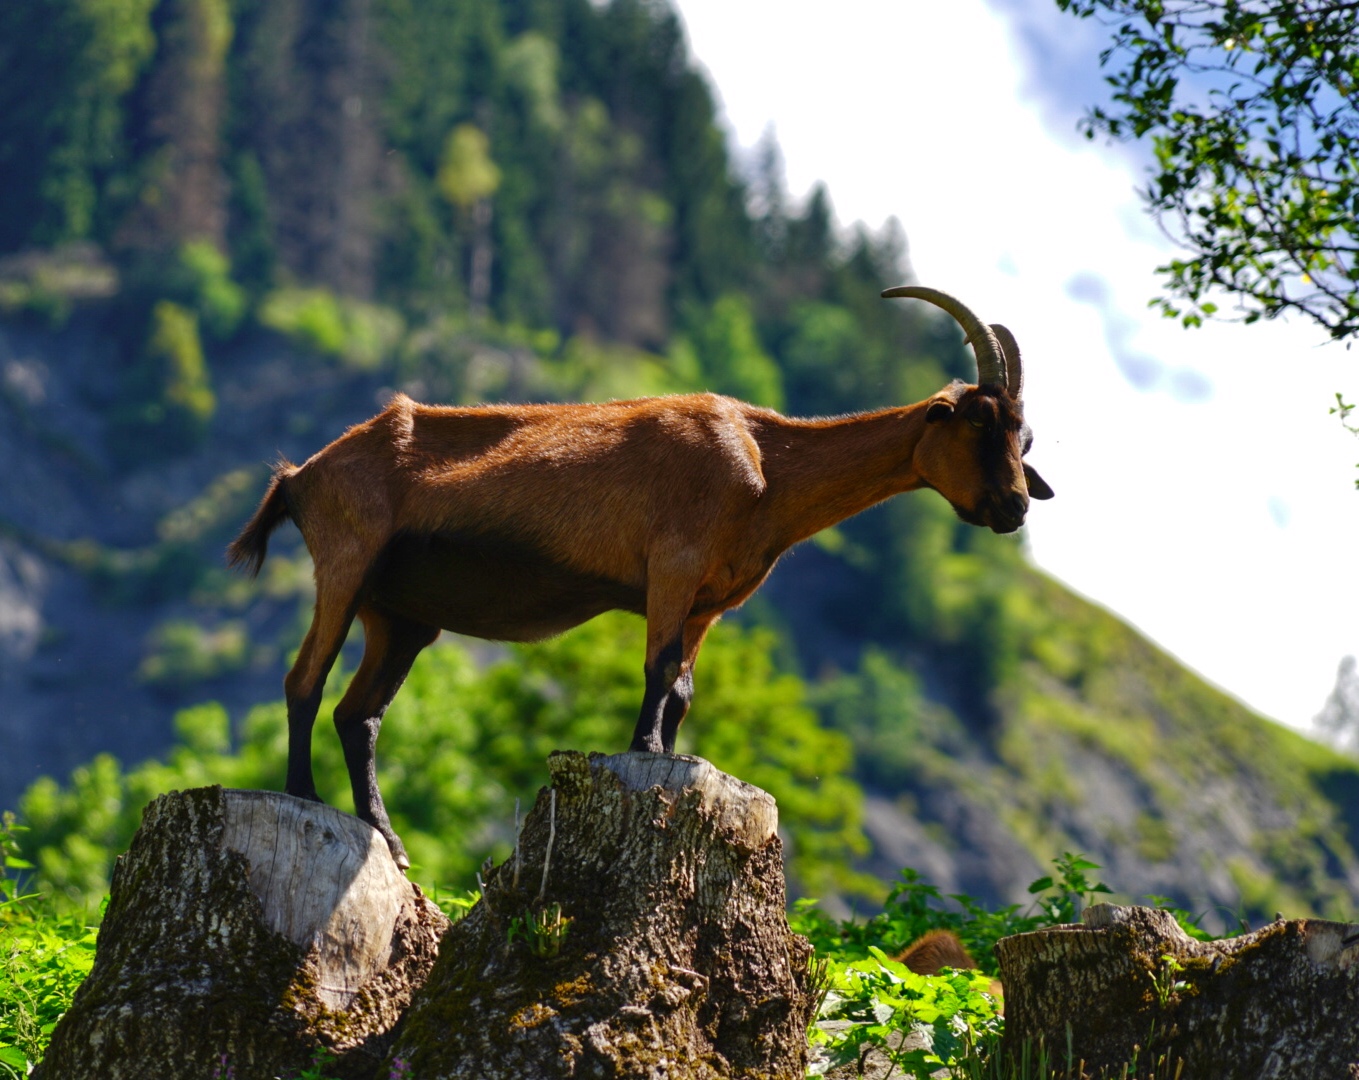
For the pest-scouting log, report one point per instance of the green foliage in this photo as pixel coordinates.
(358, 334)
(168, 401)
(203, 274)
(920, 1023)
(588, 370)
(723, 343)
(462, 741)
(953, 1015)
(914, 907)
(183, 652)
(1071, 889)
(43, 959)
(466, 171)
(187, 401)
(68, 67)
(541, 931)
(1251, 112)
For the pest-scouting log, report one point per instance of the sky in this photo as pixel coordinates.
(1204, 494)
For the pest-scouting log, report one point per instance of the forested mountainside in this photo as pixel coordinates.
(232, 228)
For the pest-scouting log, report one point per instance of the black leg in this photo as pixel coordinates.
(301, 718)
(390, 648)
(306, 681)
(661, 677)
(676, 706)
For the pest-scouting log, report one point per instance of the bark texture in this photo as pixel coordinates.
(677, 959)
(1281, 1002)
(247, 930)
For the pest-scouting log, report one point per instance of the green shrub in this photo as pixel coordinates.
(167, 398)
(183, 652)
(358, 334)
(219, 301)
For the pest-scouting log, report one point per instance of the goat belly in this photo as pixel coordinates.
(490, 587)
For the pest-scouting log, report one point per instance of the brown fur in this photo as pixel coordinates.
(519, 522)
(935, 950)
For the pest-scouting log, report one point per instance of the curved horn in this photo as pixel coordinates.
(990, 360)
(1014, 370)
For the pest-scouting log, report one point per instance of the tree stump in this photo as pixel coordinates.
(638, 932)
(245, 931)
(1281, 1002)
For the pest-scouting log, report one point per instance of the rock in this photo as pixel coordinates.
(247, 930)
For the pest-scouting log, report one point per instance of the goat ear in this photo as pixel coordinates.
(1038, 487)
(938, 411)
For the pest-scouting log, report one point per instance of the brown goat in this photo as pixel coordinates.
(517, 522)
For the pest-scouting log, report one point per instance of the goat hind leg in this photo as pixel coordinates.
(306, 681)
(390, 647)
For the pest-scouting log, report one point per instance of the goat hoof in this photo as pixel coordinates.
(399, 856)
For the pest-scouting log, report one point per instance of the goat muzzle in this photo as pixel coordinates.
(1006, 513)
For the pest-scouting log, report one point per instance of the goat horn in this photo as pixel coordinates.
(990, 359)
(1014, 370)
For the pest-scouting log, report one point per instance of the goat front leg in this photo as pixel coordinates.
(664, 679)
(672, 641)
(677, 702)
(390, 646)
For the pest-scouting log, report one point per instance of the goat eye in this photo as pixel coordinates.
(975, 422)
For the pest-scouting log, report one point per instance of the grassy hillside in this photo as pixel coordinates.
(1103, 744)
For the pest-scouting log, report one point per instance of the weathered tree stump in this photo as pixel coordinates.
(676, 961)
(1281, 1002)
(245, 931)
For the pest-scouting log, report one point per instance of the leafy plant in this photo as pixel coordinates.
(919, 1023)
(542, 931)
(321, 1059)
(914, 907)
(359, 334)
(1165, 980)
(455, 903)
(1070, 891)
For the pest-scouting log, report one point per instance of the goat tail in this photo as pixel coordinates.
(250, 548)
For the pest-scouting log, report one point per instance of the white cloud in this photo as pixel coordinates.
(1203, 492)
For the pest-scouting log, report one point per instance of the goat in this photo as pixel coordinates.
(518, 522)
